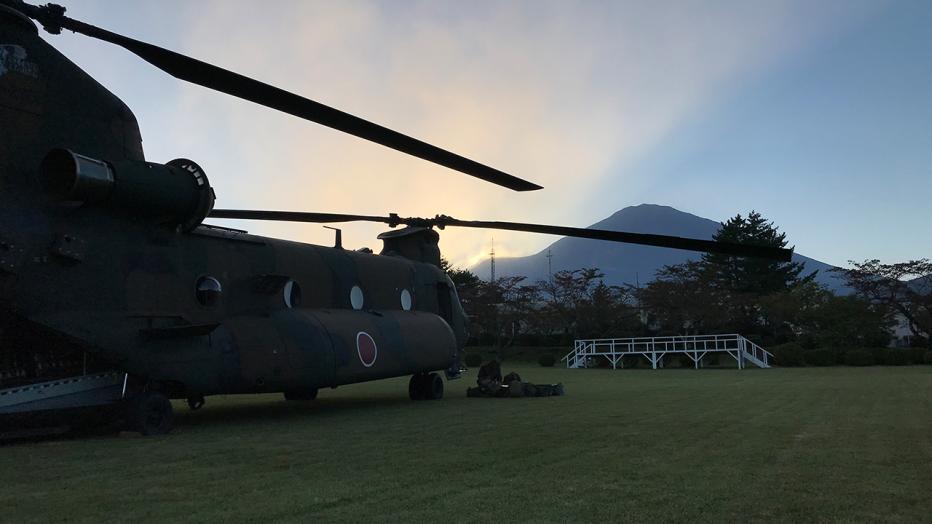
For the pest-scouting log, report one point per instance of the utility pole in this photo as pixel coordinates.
(550, 266)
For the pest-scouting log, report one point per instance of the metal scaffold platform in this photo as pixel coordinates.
(586, 352)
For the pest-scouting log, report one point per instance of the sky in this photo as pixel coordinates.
(816, 114)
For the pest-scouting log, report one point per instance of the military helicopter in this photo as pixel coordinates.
(114, 293)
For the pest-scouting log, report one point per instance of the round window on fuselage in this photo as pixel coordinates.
(208, 291)
(292, 294)
(357, 300)
(406, 301)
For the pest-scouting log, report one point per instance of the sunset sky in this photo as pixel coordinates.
(817, 114)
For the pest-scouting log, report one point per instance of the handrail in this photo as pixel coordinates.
(758, 348)
(729, 342)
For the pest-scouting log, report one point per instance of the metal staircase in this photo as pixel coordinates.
(587, 352)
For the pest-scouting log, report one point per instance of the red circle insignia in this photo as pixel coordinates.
(366, 349)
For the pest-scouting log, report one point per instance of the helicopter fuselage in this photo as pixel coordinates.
(198, 309)
(107, 266)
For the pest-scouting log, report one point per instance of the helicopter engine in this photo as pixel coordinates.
(414, 243)
(177, 193)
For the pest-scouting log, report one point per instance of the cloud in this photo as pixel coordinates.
(564, 94)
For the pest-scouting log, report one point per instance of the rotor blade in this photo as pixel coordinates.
(298, 216)
(644, 239)
(219, 79)
(441, 221)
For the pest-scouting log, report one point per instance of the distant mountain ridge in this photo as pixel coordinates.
(631, 264)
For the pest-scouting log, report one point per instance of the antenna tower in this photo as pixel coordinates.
(492, 258)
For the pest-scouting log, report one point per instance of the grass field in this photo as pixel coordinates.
(828, 444)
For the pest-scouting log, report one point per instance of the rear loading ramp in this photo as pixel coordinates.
(99, 389)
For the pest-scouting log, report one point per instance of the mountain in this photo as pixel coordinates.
(919, 285)
(632, 264)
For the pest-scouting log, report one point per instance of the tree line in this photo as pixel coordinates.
(774, 303)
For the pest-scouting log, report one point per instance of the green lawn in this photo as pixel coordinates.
(828, 444)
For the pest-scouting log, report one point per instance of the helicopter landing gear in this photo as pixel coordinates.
(195, 402)
(434, 387)
(150, 413)
(425, 386)
(307, 394)
(416, 387)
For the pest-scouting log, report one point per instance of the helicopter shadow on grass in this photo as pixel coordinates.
(281, 410)
(246, 413)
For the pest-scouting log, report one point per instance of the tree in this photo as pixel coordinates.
(607, 312)
(723, 292)
(850, 322)
(752, 275)
(743, 282)
(793, 315)
(502, 309)
(584, 306)
(466, 282)
(682, 300)
(499, 311)
(905, 288)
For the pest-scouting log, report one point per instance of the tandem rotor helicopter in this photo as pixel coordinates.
(115, 296)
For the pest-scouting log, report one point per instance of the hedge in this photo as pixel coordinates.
(859, 357)
(788, 355)
(897, 357)
(819, 357)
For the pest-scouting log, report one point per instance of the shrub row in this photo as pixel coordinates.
(819, 357)
(788, 355)
(524, 340)
(859, 357)
(897, 357)
(474, 360)
(792, 355)
(785, 355)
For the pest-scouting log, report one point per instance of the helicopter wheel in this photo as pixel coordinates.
(308, 394)
(196, 402)
(150, 413)
(433, 387)
(417, 387)
(425, 386)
